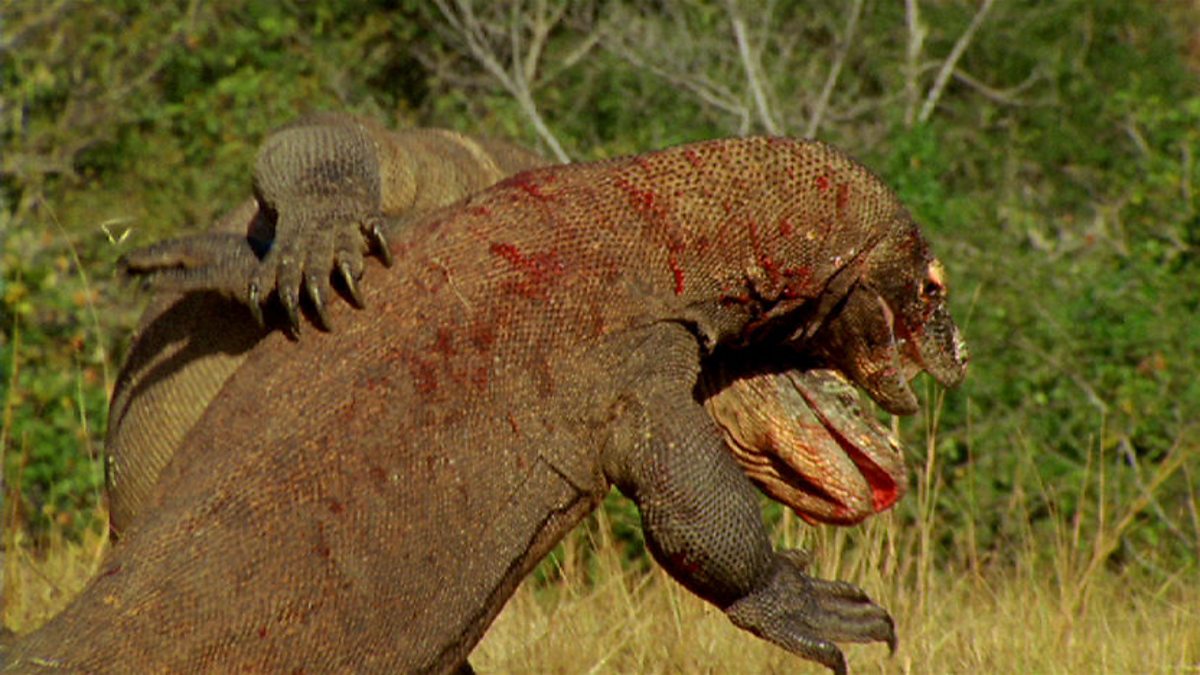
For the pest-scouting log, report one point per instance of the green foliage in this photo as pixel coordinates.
(123, 122)
(1055, 176)
(53, 385)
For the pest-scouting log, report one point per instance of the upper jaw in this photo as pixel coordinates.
(937, 348)
(881, 353)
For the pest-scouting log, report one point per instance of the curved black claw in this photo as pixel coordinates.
(379, 243)
(300, 265)
(313, 239)
(351, 284)
(317, 288)
(254, 303)
(807, 616)
(289, 297)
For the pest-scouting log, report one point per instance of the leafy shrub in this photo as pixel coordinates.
(1055, 176)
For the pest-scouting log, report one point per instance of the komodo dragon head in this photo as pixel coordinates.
(894, 322)
(803, 434)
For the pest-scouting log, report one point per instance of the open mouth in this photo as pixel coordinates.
(804, 437)
(876, 454)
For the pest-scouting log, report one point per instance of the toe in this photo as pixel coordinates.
(316, 285)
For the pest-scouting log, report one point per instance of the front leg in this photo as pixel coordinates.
(701, 518)
(318, 181)
(317, 208)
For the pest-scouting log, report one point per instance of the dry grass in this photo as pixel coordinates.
(38, 584)
(1052, 606)
(1000, 621)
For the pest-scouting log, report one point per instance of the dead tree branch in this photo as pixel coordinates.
(665, 45)
(752, 68)
(960, 46)
(835, 70)
(912, 61)
(1001, 96)
(516, 78)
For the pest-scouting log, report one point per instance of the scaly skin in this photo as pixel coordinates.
(188, 345)
(533, 344)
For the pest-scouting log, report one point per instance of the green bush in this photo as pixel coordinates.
(1055, 177)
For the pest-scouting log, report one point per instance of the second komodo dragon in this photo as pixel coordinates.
(187, 345)
(367, 500)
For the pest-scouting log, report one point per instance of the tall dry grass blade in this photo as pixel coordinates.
(9, 493)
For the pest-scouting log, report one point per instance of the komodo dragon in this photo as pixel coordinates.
(539, 340)
(187, 345)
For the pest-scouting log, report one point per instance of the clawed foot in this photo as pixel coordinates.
(310, 244)
(807, 616)
(228, 263)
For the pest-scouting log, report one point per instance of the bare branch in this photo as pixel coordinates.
(960, 46)
(1001, 96)
(704, 89)
(751, 67)
(471, 31)
(1131, 129)
(684, 59)
(835, 70)
(575, 55)
(540, 33)
(912, 64)
(514, 41)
